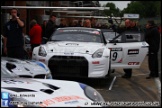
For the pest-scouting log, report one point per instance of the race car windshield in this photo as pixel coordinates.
(78, 35)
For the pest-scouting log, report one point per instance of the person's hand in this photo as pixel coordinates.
(14, 15)
(5, 50)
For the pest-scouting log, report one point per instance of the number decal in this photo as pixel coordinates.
(114, 56)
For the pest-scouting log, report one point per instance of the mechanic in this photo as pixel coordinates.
(152, 37)
(13, 36)
(35, 34)
(51, 26)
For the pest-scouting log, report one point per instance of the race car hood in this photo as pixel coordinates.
(73, 47)
(49, 92)
(23, 67)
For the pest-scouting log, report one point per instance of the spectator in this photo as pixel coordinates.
(75, 23)
(93, 23)
(35, 34)
(80, 23)
(63, 23)
(152, 37)
(51, 26)
(87, 23)
(13, 36)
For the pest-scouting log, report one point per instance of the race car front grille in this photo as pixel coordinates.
(73, 66)
(42, 76)
(25, 76)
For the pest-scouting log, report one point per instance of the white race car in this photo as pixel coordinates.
(25, 68)
(86, 52)
(31, 92)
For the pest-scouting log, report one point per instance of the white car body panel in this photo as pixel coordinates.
(65, 95)
(125, 60)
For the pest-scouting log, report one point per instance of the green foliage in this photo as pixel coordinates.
(143, 8)
(113, 9)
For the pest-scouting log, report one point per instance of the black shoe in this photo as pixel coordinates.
(124, 76)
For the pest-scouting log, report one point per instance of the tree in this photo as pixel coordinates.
(144, 8)
(113, 9)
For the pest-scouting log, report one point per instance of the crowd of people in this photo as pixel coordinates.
(14, 40)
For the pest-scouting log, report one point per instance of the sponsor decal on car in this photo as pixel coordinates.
(55, 100)
(133, 63)
(71, 102)
(15, 82)
(116, 49)
(133, 51)
(95, 62)
(86, 31)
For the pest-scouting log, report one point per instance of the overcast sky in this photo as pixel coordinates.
(120, 4)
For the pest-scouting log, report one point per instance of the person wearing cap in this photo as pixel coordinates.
(35, 34)
(51, 26)
(152, 37)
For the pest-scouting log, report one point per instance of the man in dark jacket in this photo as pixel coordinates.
(13, 36)
(152, 37)
(50, 27)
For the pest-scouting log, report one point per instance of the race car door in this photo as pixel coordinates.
(127, 50)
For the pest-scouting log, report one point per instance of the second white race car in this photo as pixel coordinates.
(32, 92)
(25, 68)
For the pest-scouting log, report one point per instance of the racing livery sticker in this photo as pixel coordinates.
(55, 100)
(116, 49)
(86, 31)
(116, 54)
(133, 63)
(133, 51)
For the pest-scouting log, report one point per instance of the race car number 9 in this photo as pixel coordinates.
(114, 56)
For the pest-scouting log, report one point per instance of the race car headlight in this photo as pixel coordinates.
(98, 53)
(42, 52)
(91, 93)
